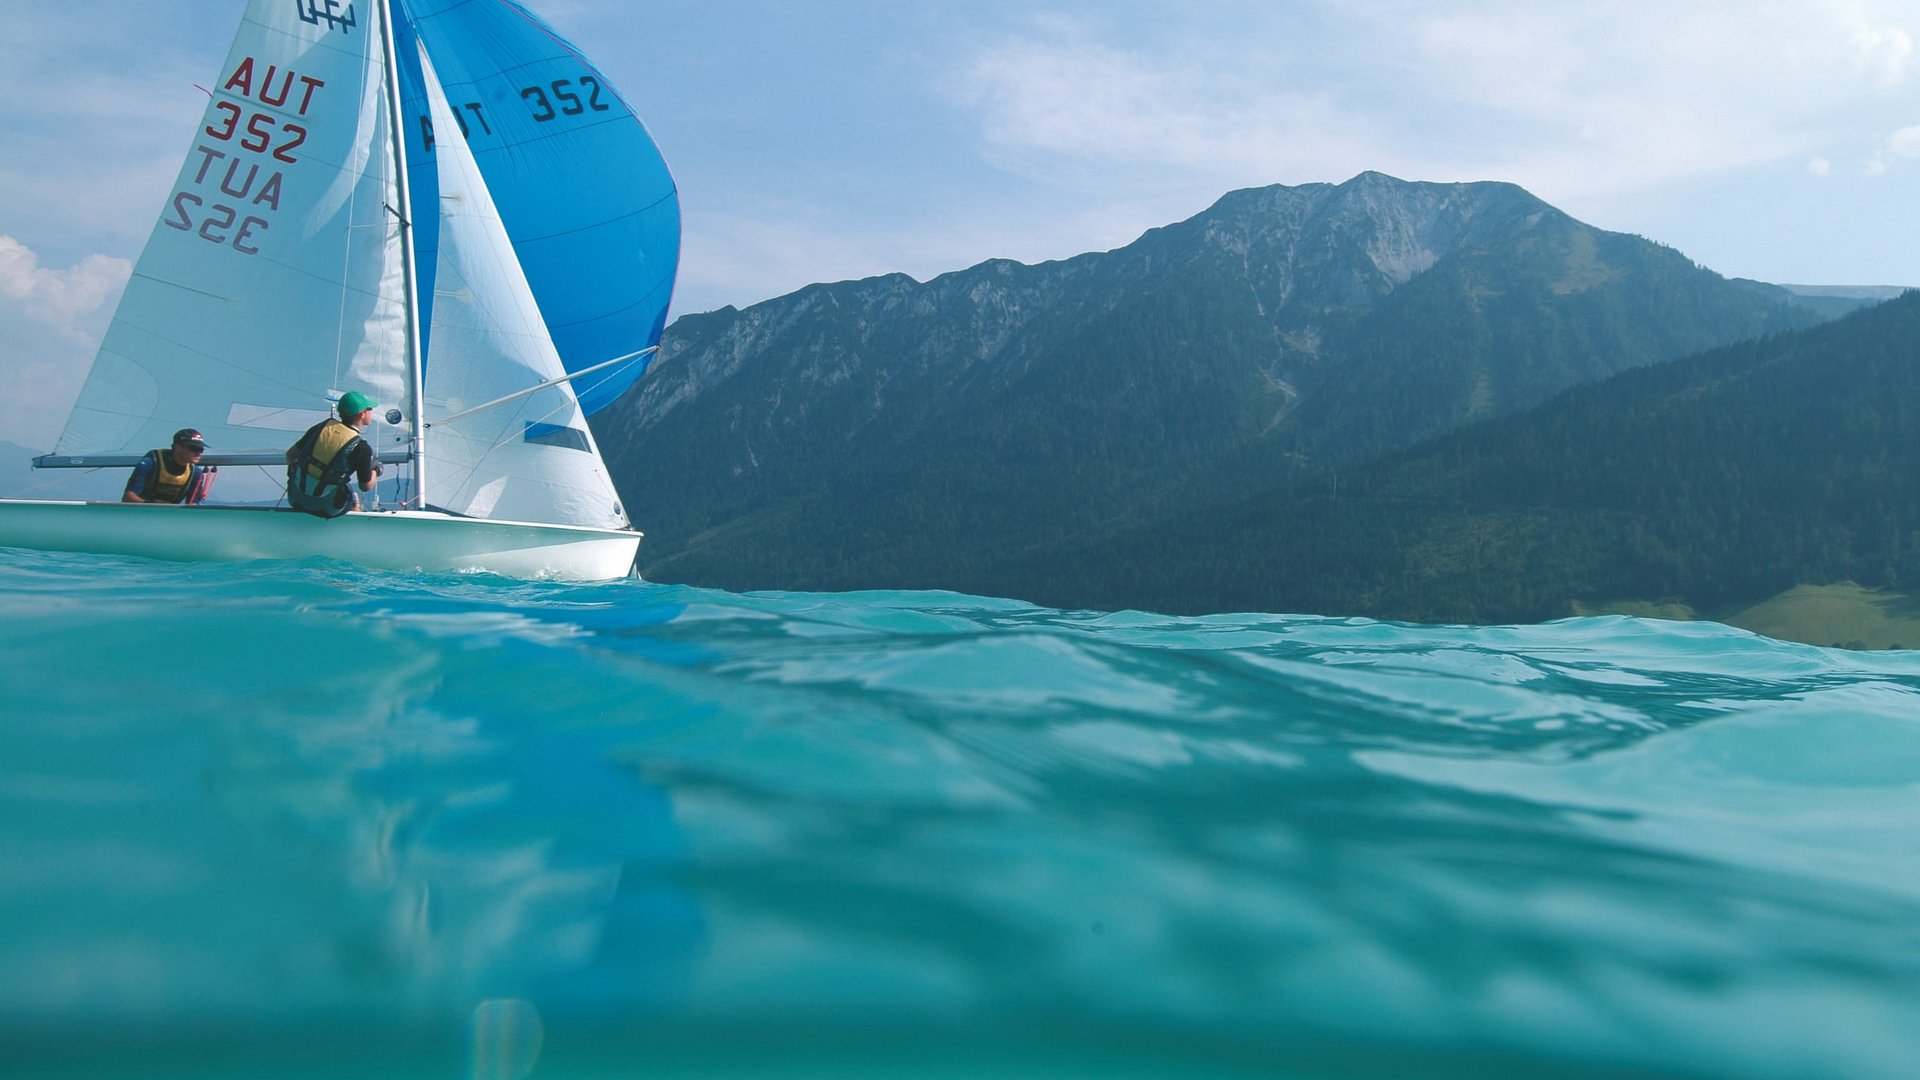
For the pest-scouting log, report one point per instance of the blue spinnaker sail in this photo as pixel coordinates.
(585, 195)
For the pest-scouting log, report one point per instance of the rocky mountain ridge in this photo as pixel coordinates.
(849, 434)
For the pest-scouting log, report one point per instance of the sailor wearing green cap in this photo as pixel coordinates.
(331, 453)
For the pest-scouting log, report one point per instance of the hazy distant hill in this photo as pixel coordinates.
(19, 479)
(1831, 301)
(891, 433)
(1713, 482)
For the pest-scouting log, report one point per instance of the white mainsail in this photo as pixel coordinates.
(274, 274)
(533, 458)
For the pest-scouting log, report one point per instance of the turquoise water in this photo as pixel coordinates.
(308, 820)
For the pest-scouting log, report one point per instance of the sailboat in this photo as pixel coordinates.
(439, 203)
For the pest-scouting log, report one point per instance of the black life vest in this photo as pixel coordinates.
(165, 484)
(319, 469)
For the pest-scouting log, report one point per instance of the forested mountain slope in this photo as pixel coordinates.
(889, 433)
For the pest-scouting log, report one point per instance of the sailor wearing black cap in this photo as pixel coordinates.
(172, 475)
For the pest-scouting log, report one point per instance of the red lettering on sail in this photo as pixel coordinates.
(311, 84)
(245, 156)
(276, 86)
(269, 196)
(266, 88)
(242, 78)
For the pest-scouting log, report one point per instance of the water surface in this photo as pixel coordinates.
(304, 819)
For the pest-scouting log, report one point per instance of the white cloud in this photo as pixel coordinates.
(1074, 110)
(59, 299)
(1569, 100)
(1902, 145)
(50, 322)
(1886, 52)
(1820, 167)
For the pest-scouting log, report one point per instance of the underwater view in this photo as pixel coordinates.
(304, 819)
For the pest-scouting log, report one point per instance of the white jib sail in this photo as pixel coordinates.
(273, 278)
(532, 459)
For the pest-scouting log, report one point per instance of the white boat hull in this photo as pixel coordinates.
(415, 540)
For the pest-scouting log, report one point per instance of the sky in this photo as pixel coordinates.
(833, 139)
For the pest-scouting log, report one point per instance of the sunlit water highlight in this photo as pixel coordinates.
(303, 819)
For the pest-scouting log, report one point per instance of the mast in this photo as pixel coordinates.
(416, 419)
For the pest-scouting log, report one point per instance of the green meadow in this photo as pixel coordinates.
(1844, 615)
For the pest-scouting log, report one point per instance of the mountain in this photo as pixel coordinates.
(889, 433)
(1831, 301)
(1710, 483)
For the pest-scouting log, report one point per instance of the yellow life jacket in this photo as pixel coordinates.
(319, 469)
(334, 441)
(166, 485)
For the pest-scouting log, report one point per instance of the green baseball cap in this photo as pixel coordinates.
(353, 403)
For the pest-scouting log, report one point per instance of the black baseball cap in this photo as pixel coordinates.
(190, 437)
